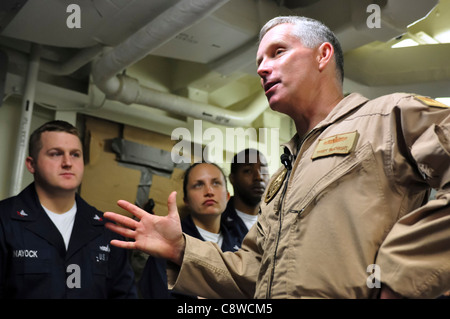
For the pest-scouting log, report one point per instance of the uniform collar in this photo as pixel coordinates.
(88, 224)
(28, 209)
(346, 106)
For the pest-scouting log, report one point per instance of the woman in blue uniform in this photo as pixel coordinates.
(206, 196)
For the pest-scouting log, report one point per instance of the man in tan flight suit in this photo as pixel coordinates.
(351, 198)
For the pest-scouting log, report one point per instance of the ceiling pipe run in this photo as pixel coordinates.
(160, 30)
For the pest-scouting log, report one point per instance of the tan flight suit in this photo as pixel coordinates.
(354, 198)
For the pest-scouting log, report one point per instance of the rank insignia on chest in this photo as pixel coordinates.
(275, 186)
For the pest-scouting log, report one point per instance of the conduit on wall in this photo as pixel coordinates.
(25, 120)
(160, 30)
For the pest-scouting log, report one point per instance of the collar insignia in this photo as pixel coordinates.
(22, 213)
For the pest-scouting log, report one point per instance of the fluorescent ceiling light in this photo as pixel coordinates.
(445, 100)
(425, 38)
(405, 43)
(443, 37)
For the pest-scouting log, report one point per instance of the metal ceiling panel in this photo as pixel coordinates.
(107, 22)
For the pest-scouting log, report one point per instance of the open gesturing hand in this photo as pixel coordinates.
(159, 236)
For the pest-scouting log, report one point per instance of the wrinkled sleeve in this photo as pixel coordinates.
(415, 257)
(208, 272)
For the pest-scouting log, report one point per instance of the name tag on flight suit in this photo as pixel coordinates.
(340, 144)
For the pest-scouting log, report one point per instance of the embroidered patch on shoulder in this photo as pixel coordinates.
(340, 144)
(430, 102)
(274, 187)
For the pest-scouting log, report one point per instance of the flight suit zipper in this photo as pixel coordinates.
(272, 273)
(280, 210)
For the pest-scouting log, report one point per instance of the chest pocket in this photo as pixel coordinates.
(355, 163)
(31, 261)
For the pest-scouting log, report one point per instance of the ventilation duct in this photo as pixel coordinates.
(160, 30)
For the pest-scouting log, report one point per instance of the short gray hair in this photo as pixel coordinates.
(312, 33)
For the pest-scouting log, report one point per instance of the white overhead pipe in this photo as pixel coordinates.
(197, 110)
(25, 120)
(160, 30)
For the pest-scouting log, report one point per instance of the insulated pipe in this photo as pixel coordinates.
(160, 30)
(131, 92)
(197, 110)
(25, 121)
(163, 28)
